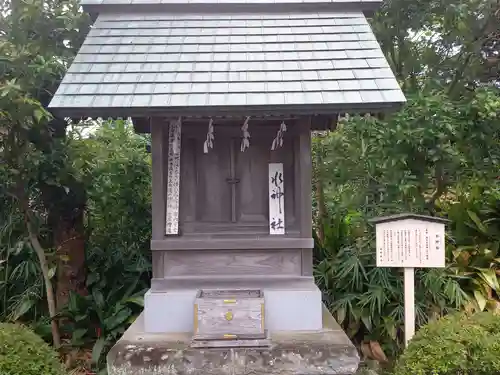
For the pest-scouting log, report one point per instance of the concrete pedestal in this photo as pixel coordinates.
(288, 308)
(326, 352)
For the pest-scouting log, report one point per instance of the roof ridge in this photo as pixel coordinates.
(230, 6)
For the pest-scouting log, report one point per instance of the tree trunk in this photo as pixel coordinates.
(66, 205)
(320, 196)
(69, 242)
(320, 199)
(51, 302)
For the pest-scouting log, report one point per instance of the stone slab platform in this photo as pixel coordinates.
(325, 352)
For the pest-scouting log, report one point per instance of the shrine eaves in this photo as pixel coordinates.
(209, 57)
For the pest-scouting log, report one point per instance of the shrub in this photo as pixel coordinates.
(456, 344)
(22, 352)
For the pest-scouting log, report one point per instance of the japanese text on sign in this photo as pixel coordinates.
(276, 199)
(410, 243)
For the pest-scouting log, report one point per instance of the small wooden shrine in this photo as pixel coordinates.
(230, 91)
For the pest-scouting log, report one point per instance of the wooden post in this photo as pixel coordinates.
(409, 296)
(159, 185)
(305, 199)
(159, 189)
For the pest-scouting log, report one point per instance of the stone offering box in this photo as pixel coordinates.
(230, 92)
(224, 318)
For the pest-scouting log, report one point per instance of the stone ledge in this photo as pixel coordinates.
(325, 352)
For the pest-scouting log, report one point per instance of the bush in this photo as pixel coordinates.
(22, 352)
(457, 344)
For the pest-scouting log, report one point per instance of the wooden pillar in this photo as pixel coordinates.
(158, 155)
(305, 201)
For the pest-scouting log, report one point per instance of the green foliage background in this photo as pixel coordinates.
(116, 168)
(419, 160)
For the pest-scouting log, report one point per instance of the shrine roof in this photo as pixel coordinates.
(141, 63)
(407, 216)
(224, 6)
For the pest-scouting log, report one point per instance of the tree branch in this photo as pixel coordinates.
(469, 52)
(441, 186)
(51, 302)
(40, 252)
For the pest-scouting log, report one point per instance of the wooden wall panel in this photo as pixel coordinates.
(206, 201)
(157, 264)
(252, 188)
(232, 262)
(188, 181)
(213, 191)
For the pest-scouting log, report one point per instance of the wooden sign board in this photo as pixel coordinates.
(174, 170)
(276, 199)
(410, 243)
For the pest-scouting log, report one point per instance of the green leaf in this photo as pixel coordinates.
(78, 335)
(73, 300)
(98, 299)
(390, 327)
(132, 319)
(52, 272)
(92, 278)
(21, 309)
(117, 319)
(131, 288)
(477, 221)
(81, 318)
(340, 315)
(139, 300)
(480, 299)
(490, 277)
(39, 114)
(98, 349)
(367, 321)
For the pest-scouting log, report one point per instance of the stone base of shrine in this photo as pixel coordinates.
(327, 352)
(287, 308)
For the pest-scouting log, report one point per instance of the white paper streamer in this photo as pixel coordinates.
(278, 140)
(209, 143)
(176, 146)
(245, 142)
